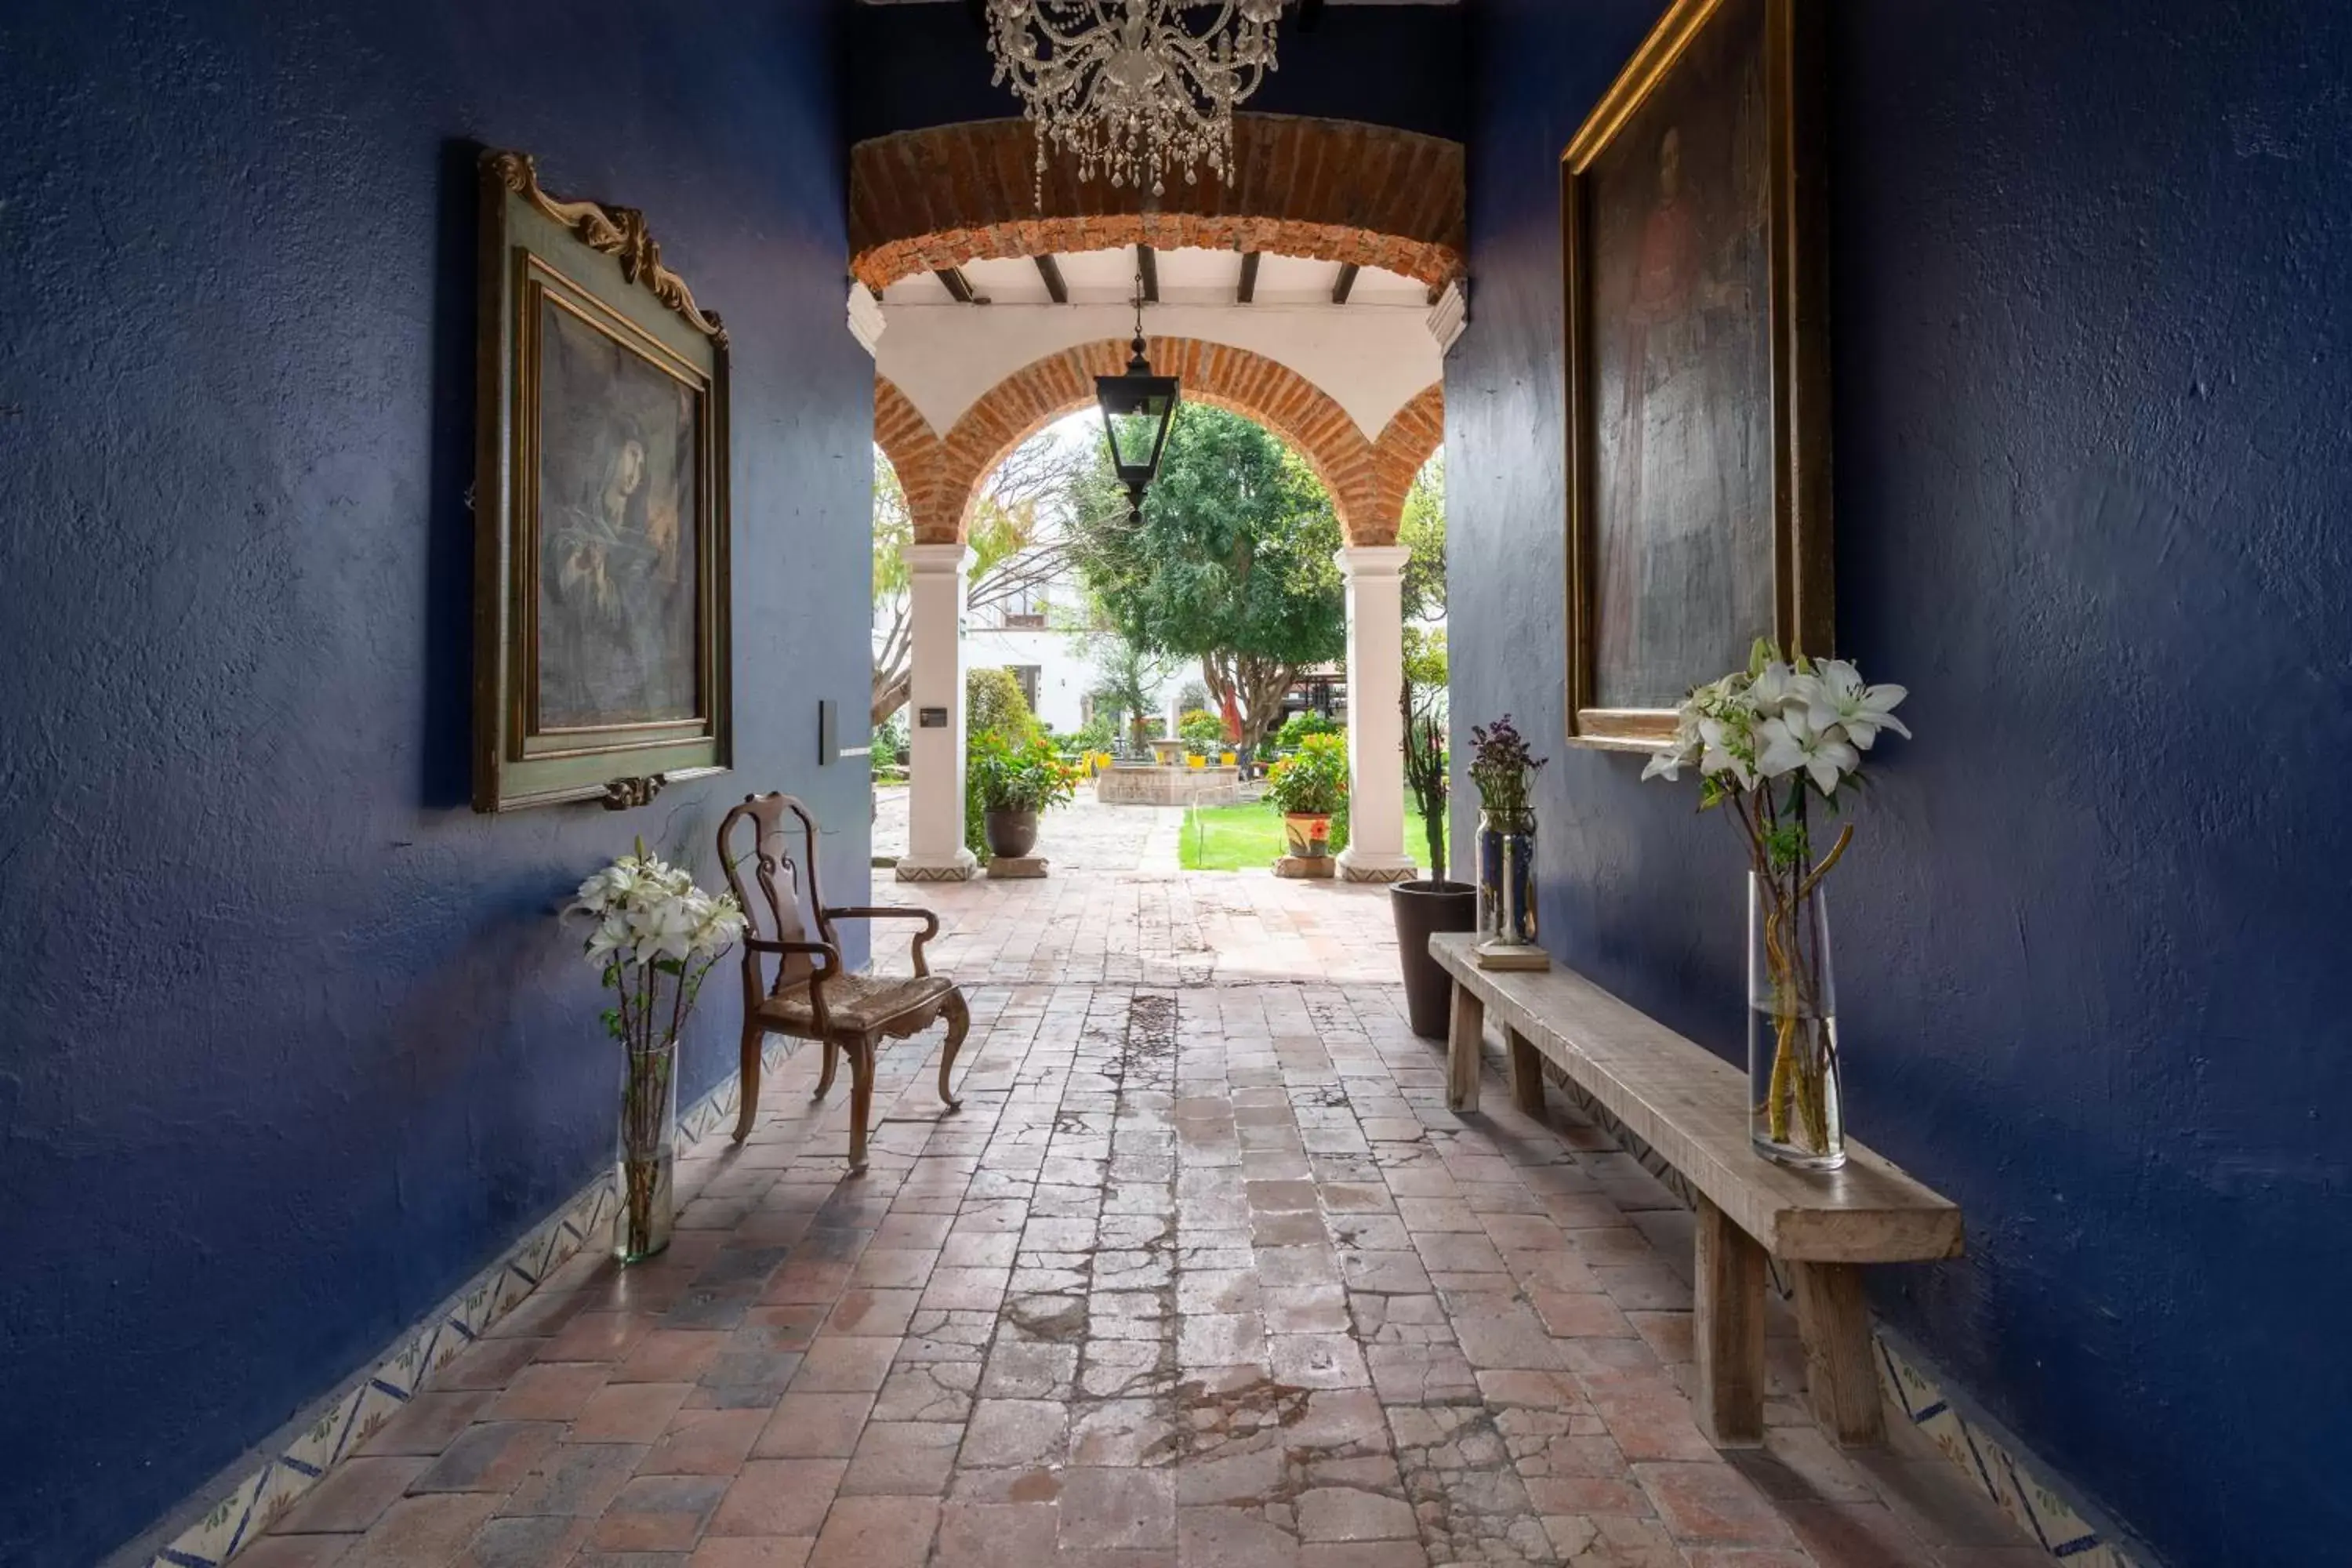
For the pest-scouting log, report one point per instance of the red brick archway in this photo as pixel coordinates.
(1331, 190)
(1367, 479)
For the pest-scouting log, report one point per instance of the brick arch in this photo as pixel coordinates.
(1416, 432)
(1247, 383)
(1332, 190)
(914, 449)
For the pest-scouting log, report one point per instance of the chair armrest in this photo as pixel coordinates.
(825, 950)
(896, 913)
(890, 913)
(756, 982)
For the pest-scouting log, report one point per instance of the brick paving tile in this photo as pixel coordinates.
(353, 1496)
(1204, 1275)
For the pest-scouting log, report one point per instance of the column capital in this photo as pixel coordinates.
(867, 323)
(924, 560)
(1367, 560)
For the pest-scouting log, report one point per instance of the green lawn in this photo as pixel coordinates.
(1234, 838)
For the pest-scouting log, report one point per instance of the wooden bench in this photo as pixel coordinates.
(1691, 1106)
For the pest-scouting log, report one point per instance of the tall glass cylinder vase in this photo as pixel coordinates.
(642, 1217)
(1795, 1079)
(1506, 880)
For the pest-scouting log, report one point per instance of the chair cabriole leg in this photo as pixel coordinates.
(861, 1100)
(958, 1013)
(748, 1085)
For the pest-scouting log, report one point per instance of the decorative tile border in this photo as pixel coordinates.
(346, 1420)
(1995, 1462)
(934, 873)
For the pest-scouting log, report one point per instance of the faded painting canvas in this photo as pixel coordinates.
(1683, 376)
(619, 445)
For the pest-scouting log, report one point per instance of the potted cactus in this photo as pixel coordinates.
(1434, 904)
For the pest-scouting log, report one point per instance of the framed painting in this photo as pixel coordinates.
(600, 515)
(1698, 513)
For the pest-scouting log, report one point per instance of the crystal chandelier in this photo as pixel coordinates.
(1133, 88)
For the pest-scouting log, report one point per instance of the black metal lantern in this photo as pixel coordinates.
(1138, 409)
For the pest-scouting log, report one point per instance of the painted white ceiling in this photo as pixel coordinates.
(1186, 277)
(1371, 355)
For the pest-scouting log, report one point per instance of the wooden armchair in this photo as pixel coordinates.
(813, 997)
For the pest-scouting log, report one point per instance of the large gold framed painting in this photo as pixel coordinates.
(1698, 417)
(601, 571)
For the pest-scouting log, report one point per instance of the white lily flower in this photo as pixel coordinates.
(1841, 699)
(611, 935)
(1717, 762)
(1791, 743)
(1669, 764)
(663, 930)
(1772, 689)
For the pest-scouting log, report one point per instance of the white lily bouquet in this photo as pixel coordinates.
(1769, 741)
(655, 939)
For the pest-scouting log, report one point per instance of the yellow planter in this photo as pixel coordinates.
(1196, 762)
(1225, 759)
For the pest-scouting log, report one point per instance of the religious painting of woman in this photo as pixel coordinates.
(1681, 483)
(602, 669)
(618, 458)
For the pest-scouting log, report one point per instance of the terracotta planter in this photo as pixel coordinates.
(1308, 834)
(1010, 834)
(1422, 909)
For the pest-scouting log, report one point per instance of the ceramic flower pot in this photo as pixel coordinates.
(1010, 834)
(1306, 835)
(1422, 909)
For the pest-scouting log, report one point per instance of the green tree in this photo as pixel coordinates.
(1016, 542)
(1422, 531)
(1235, 562)
(1125, 678)
(995, 713)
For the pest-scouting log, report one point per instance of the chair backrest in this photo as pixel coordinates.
(772, 906)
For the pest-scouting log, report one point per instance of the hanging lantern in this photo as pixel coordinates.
(1138, 409)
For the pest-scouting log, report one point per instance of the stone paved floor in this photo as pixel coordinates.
(1204, 1275)
(1080, 836)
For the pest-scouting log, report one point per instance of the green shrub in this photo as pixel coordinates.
(1299, 726)
(1314, 780)
(993, 709)
(1020, 775)
(1202, 733)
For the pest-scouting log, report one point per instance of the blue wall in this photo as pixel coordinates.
(2093, 359)
(293, 1044)
(912, 67)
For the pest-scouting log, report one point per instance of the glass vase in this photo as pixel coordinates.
(1506, 880)
(1795, 1080)
(645, 1213)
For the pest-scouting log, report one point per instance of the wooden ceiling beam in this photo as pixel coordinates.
(1247, 292)
(1346, 284)
(958, 286)
(1051, 271)
(1147, 261)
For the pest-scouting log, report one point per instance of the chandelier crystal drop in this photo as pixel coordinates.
(1133, 88)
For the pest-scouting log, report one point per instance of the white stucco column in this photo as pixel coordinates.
(935, 851)
(1375, 851)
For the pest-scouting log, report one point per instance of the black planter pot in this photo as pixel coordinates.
(1422, 909)
(1010, 834)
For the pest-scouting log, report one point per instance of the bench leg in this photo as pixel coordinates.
(1841, 1375)
(1527, 1075)
(1462, 1040)
(1727, 1324)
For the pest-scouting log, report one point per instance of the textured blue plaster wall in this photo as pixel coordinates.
(2091, 319)
(912, 67)
(293, 1045)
